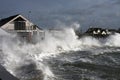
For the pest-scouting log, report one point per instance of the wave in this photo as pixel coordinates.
(18, 56)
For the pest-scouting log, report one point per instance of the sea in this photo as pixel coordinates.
(61, 56)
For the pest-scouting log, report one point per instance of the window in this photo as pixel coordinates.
(20, 25)
(34, 27)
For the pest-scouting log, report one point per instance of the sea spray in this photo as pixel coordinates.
(90, 41)
(59, 40)
(113, 40)
(17, 54)
(17, 57)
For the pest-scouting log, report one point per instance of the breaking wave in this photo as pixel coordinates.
(26, 61)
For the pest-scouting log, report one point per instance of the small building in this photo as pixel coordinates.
(18, 24)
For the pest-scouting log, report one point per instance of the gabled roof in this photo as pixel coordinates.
(5, 20)
(14, 17)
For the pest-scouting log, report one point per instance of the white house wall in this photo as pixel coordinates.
(8, 26)
(28, 25)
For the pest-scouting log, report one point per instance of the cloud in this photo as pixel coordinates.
(46, 13)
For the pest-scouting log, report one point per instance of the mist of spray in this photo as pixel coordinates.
(113, 40)
(17, 55)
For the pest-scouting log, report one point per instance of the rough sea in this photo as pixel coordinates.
(62, 56)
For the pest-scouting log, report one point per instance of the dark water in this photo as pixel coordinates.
(93, 64)
(96, 63)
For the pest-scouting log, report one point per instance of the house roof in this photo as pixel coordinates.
(5, 20)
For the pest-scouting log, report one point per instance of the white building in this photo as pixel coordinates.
(22, 26)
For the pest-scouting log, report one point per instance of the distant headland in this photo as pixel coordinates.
(98, 32)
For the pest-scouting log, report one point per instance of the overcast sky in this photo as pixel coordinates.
(47, 13)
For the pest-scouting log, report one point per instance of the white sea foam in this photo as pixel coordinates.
(16, 54)
(113, 40)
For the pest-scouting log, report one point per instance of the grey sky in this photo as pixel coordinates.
(46, 13)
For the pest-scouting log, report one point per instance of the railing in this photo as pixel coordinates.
(24, 30)
(28, 29)
(15, 31)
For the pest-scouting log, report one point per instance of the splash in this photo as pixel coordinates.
(113, 40)
(27, 61)
(20, 59)
(90, 42)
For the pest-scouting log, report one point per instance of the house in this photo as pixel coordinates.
(18, 24)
